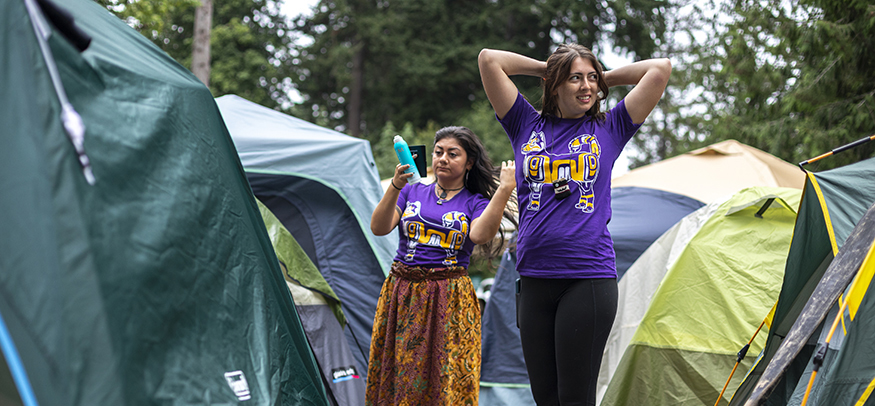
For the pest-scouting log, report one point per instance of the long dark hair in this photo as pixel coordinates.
(482, 178)
(559, 69)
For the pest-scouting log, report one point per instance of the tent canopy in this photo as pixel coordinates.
(721, 277)
(153, 282)
(834, 202)
(272, 142)
(715, 171)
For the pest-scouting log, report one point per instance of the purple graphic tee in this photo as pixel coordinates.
(436, 235)
(568, 237)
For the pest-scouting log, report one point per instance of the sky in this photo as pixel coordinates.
(294, 8)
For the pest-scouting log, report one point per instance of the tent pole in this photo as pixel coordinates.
(837, 150)
(741, 354)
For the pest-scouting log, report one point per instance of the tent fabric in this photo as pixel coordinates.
(852, 376)
(714, 172)
(710, 301)
(643, 277)
(323, 186)
(156, 284)
(639, 216)
(837, 277)
(303, 272)
(834, 201)
(321, 316)
(272, 142)
(503, 376)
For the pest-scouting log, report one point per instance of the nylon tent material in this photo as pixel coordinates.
(323, 186)
(154, 281)
(321, 316)
(644, 276)
(503, 377)
(639, 216)
(833, 203)
(851, 379)
(712, 298)
(837, 277)
(715, 172)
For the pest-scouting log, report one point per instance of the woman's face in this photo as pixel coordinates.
(449, 161)
(577, 94)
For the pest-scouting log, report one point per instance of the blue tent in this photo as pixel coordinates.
(640, 216)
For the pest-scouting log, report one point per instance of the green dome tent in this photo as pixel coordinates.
(135, 268)
(722, 268)
(834, 203)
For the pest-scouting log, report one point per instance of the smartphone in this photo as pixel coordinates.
(421, 164)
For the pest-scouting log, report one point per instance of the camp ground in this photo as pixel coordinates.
(323, 186)
(136, 268)
(645, 202)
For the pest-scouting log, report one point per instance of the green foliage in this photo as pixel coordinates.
(248, 42)
(481, 119)
(793, 79)
(419, 58)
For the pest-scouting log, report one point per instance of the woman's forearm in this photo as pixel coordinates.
(511, 63)
(632, 73)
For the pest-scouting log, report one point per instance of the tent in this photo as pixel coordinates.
(722, 268)
(645, 202)
(323, 186)
(833, 204)
(851, 379)
(136, 268)
(321, 315)
(715, 171)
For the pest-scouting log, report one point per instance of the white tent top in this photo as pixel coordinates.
(714, 172)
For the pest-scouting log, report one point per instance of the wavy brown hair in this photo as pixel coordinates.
(482, 178)
(559, 70)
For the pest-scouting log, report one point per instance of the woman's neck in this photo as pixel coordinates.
(457, 184)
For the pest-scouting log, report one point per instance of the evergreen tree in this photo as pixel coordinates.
(793, 79)
(249, 42)
(416, 60)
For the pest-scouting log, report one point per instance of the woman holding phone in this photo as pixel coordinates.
(425, 347)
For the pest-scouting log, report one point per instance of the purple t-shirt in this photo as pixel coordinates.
(565, 238)
(436, 235)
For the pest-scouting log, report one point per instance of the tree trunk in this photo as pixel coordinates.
(355, 92)
(200, 55)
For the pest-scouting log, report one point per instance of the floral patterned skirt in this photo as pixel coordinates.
(425, 347)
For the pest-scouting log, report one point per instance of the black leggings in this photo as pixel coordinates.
(564, 325)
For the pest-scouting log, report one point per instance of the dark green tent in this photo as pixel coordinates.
(135, 268)
(833, 203)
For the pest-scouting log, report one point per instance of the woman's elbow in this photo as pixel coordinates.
(378, 231)
(478, 238)
(485, 57)
(664, 66)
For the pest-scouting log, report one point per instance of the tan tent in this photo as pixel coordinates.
(715, 171)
